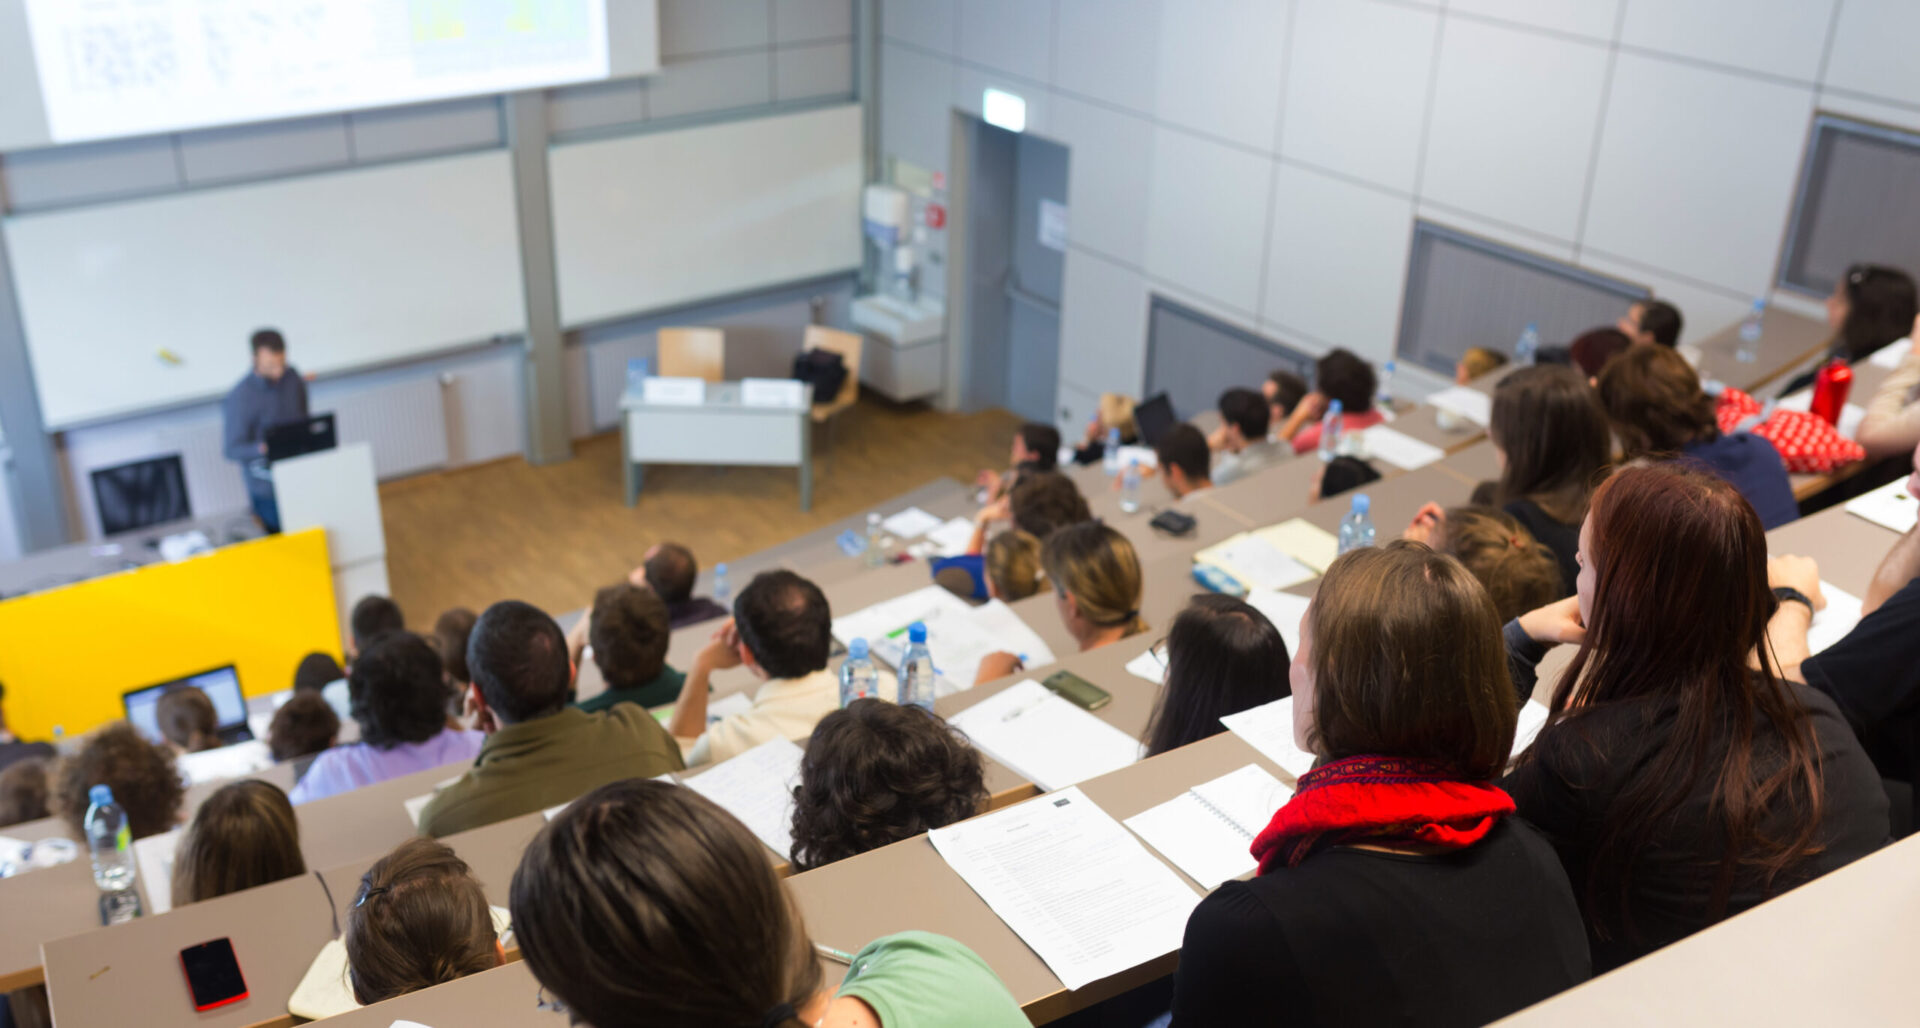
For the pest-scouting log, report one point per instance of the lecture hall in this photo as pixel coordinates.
(958, 513)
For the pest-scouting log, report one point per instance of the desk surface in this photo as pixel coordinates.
(64, 565)
(1787, 339)
(501, 998)
(725, 396)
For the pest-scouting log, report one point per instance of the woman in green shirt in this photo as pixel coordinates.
(644, 903)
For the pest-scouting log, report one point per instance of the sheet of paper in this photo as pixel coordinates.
(1207, 831)
(1072, 883)
(1284, 610)
(1304, 541)
(419, 803)
(1043, 738)
(1890, 355)
(153, 857)
(772, 392)
(1149, 667)
(952, 537)
(1471, 404)
(1831, 624)
(958, 635)
(689, 392)
(236, 761)
(1533, 717)
(1889, 506)
(729, 705)
(1400, 449)
(757, 787)
(1850, 415)
(911, 523)
(884, 625)
(1269, 729)
(1141, 455)
(1257, 563)
(261, 723)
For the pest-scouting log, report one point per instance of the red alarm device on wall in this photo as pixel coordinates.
(1830, 389)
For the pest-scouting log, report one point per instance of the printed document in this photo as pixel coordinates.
(1043, 738)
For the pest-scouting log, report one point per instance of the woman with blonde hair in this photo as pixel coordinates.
(1013, 566)
(1097, 585)
(1517, 571)
(243, 836)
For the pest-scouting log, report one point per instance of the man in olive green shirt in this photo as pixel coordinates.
(539, 751)
(628, 635)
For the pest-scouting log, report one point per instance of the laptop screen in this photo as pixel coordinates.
(222, 686)
(1154, 418)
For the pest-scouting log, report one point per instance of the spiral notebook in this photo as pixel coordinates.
(1208, 830)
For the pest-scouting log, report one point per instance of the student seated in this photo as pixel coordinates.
(1185, 463)
(242, 836)
(1340, 475)
(1283, 391)
(628, 632)
(1222, 657)
(1340, 375)
(1651, 323)
(398, 700)
(645, 904)
(1870, 307)
(1115, 412)
(875, 773)
(1658, 410)
(1680, 779)
(1891, 427)
(187, 720)
(451, 631)
(1477, 361)
(303, 726)
(12, 747)
(1396, 886)
(1013, 569)
(419, 919)
(144, 779)
(1518, 573)
(1036, 447)
(539, 750)
(671, 572)
(316, 671)
(1243, 447)
(1594, 350)
(372, 617)
(1038, 503)
(23, 791)
(1096, 588)
(782, 631)
(1553, 444)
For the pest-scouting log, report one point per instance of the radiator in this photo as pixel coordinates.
(404, 419)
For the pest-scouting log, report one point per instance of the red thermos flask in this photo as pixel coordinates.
(1830, 388)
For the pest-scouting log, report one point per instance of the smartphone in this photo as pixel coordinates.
(1078, 691)
(213, 974)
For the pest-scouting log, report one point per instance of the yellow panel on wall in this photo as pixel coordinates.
(68, 654)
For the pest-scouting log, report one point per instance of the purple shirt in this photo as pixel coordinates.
(345, 768)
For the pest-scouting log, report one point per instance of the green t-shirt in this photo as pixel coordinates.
(664, 688)
(923, 980)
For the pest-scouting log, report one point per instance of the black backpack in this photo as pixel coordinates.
(825, 370)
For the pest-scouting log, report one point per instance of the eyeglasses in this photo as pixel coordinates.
(542, 1001)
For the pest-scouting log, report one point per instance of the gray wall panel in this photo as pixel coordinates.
(262, 151)
(424, 130)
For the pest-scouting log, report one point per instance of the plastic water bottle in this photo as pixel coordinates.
(1110, 460)
(1356, 529)
(858, 678)
(1528, 347)
(876, 549)
(1749, 349)
(1330, 424)
(1384, 399)
(1130, 488)
(722, 592)
(110, 843)
(916, 670)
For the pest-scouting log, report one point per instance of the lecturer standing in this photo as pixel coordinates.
(272, 394)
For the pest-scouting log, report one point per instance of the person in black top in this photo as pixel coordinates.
(1221, 656)
(1870, 306)
(670, 571)
(11, 747)
(1396, 887)
(1679, 785)
(1551, 436)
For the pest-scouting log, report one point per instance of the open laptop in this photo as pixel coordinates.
(222, 686)
(295, 438)
(1153, 417)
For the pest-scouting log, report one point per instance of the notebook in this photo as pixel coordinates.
(757, 787)
(1043, 738)
(1208, 830)
(1255, 562)
(1269, 729)
(1890, 506)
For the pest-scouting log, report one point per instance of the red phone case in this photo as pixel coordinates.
(244, 993)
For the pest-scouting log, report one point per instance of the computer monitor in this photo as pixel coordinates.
(1153, 417)
(142, 494)
(222, 686)
(294, 438)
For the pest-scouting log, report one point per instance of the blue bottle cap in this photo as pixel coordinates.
(1361, 503)
(719, 569)
(917, 632)
(100, 795)
(857, 650)
(1335, 407)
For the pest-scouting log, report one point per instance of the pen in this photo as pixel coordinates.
(833, 954)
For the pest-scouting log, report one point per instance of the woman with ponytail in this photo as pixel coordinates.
(646, 904)
(1396, 886)
(419, 919)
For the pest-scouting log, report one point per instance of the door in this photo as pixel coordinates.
(1016, 261)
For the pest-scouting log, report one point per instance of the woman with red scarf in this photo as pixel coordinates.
(1397, 886)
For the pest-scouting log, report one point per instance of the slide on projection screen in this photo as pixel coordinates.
(97, 69)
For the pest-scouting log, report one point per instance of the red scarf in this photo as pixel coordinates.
(1382, 800)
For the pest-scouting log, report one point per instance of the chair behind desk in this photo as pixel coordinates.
(849, 346)
(693, 353)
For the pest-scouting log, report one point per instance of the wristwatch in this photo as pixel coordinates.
(1788, 594)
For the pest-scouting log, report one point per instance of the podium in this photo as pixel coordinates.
(336, 490)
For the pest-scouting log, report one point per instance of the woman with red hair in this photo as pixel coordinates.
(1680, 778)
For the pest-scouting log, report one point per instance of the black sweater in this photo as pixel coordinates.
(1360, 937)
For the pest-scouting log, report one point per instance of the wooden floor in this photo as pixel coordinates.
(552, 535)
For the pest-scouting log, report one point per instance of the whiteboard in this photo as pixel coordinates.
(356, 268)
(656, 220)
